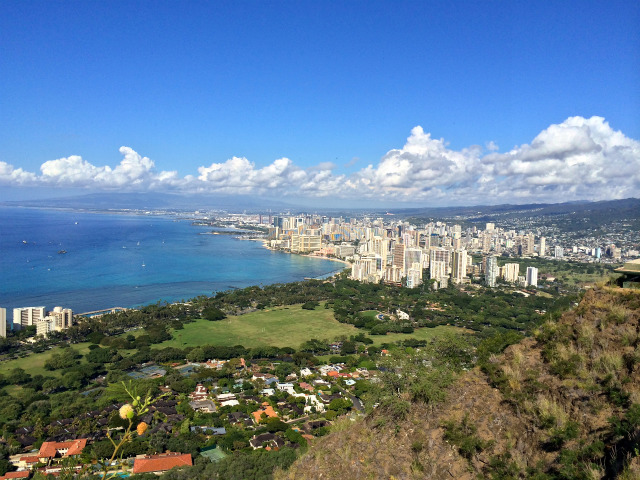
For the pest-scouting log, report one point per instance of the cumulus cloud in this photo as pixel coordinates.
(579, 158)
(15, 176)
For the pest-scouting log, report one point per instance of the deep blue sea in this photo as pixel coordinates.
(129, 260)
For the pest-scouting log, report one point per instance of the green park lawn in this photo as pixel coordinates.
(418, 334)
(34, 363)
(279, 327)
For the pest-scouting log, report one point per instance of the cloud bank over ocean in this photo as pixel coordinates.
(580, 158)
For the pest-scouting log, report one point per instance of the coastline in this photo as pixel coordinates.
(178, 263)
(265, 244)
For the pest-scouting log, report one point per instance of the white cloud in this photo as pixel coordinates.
(579, 158)
(15, 176)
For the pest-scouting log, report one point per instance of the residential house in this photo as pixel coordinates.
(161, 463)
(57, 450)
(266, 440)
(267, 410)
(227, 400)
(200, 393)
(239, 417)
(286, 387)
(22, 474)
(306, 386)
(204, 406)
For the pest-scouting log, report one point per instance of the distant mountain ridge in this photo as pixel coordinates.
(629, 207)
(153, 201)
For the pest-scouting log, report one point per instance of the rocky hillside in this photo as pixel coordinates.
(562, 405)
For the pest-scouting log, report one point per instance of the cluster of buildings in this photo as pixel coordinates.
(509, 272)
(398, 252)
(401, 253)
(45, 322)
(57, 458)
(250, 400)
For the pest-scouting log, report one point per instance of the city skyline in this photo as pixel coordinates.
(374, 103)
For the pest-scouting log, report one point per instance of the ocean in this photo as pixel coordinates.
(119, 260)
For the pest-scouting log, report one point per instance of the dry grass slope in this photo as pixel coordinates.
(562, 405)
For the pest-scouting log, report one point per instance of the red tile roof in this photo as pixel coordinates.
(30, 459)
(23, 474)
(51, 449)
(162, 462)
(268, 411)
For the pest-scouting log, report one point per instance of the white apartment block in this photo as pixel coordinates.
(27, 316)
(491, 271)
(57, 320)
(532, 276)
(3, 322)
(510, 272)
(459, 266)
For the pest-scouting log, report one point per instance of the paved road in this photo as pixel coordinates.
(356, 401)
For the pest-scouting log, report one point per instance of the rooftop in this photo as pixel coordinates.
(161, 463)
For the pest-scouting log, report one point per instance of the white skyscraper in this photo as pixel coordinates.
(543, 246)
(532, 276)
(438, 270)
(511, 272)
(459, 264)
(411, 256)
(440, 255)
(3, 322)
(492, 271)
(26, 316)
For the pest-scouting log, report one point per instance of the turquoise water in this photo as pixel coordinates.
(129, 260)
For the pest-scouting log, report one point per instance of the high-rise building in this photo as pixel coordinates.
(486, 242)
(62, 317)
(3, 322)
(459, 266)
(438, 270)
(528, 243)
(510, 272)
(439, 254)
(411, 256)
(398, 255)
(558, 252)
(491, 271)
(532, 276)
(305, 243)
(26, 316)
(45, 326)
(543, 247)
(414, 275)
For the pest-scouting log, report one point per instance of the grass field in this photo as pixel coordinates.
(34, 363)
(279, 327)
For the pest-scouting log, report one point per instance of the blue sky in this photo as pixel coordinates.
(320, 99)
